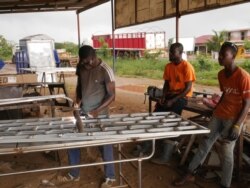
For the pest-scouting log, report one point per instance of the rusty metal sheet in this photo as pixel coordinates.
(132, 12)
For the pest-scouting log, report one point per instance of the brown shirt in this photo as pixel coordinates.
(92, 86)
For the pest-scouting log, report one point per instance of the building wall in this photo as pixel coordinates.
(239, 35)
(248, 34)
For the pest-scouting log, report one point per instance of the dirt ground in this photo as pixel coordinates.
(129, 99)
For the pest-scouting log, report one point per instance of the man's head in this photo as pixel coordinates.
(227, 53)
(175, 52)
(87, 56)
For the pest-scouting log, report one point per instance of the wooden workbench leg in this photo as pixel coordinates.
(187, 150)
(239, 153)
(149, 105)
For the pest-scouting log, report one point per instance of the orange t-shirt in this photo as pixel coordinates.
(177, 75)
(235, 89)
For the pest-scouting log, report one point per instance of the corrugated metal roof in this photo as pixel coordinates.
(23, 6)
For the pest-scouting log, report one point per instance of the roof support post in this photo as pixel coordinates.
(113, 33)
(78, 29)
(177, 16)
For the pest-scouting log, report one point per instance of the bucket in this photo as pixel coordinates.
(168, 149)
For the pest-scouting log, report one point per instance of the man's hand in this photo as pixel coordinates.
(93, 113)
(234, 133)
(76, 105)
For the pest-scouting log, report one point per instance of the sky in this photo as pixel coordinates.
(62, 26)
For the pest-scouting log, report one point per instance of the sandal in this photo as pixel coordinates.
(184, 179)
(67, 178)
(108, 183)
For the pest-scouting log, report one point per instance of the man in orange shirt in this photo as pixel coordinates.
(178, 86)
(228, 116)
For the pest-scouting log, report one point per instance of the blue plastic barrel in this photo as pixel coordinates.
(1, 64)
(21, 61)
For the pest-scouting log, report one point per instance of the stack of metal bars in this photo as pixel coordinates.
(24, 135)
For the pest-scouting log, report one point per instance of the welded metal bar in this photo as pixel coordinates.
(32, 99)
(84, 165)
(94, 137)
(78, 29)
(177, 16)
(139, 174)
(113, 34)
(120, 165)
(125, 179)
(48, 132)
(51, 70)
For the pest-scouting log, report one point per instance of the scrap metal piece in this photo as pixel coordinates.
(148, 121)
(182, 128)
(139, 114)
(154, 117)
(132, 118)
(155, 130)
(121, 123)
(118, 115)
(136, 131)
(102, 133)
(131, 127)
(160, 113)
(170, 124)
(170, 120)
(114, 128)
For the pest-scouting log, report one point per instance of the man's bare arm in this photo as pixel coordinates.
(238, 125)
(187, 88)
(244, 111)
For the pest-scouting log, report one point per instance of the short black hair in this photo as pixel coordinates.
(231, 46)
(177, 45)
(86, 51)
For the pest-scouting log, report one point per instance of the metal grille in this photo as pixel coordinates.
(113, 127)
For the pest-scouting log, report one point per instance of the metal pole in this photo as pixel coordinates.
(120, 165)
(78, 29)
(139, 174)
(83, 165)
(113, 33)
(177, 21)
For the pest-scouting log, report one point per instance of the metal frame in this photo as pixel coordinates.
(15, 138)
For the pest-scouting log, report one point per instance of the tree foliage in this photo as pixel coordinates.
(5, 49)
(247, 44)
(104, 50)
(218, 38)
(68, 46)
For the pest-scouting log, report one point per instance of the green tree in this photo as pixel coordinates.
(247, 44)
(68, 46)
(5, 49)
(104, 51)
(218, 38)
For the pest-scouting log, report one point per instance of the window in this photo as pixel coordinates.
(243, 35)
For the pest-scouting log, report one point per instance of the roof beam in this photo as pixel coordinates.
(91, 6)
